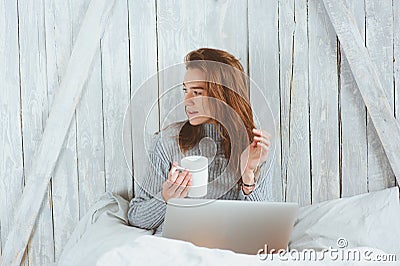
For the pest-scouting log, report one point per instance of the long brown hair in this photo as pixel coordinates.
(227, 82)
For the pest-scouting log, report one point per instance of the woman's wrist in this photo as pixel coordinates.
(247, 190)
(248, 181)
(248, 176)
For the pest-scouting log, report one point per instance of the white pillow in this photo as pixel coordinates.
(369, 220)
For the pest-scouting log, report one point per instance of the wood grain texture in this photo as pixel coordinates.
(11, 157)
(90, 139)
(264, 71)
(368, 82)
(286, 47)
(353, 119)
(396, 56)
(90, 134)
(294, 103)
(143, 121)
(59, 36)
(116, 95)
(35, 111)
(184, 26)
(58, 123)
(379, 42)
(323, 80)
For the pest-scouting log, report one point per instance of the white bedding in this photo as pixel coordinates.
(103, 228)
(103, 237)
(153, 250)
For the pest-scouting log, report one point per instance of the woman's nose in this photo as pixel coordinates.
(188, 98)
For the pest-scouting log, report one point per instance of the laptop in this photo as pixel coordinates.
(247, 227)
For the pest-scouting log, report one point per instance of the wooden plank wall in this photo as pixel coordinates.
(34, 103)
(352, 118)
(326, 145)
(294, 95)
(264, 54)
(379, 41)
(60, 37)
(396, 57)
(11, 157)
(323, 89)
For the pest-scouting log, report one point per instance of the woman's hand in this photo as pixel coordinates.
(178, 183)
(255, 154)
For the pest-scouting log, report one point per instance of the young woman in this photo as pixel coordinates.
(220, 126)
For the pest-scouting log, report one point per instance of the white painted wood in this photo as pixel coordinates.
(396, 59)
(58, 122)
(264, 71)
(11, 159)
(143, 58)
(90, 141)
(323, 81)
(294, 100)
(353, 119)
(396, 56)
(187, 25)
(79, 8)
(286, 45)
(379, 41)
(116, 95)
(35, 108)
(368, 82)
(59, 36)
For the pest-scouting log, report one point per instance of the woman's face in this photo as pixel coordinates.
(196, 105)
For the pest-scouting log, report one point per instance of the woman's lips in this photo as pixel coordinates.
(191, 113)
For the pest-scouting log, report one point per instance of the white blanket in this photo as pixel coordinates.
(103, 237)
(103, 228)
(153, 250)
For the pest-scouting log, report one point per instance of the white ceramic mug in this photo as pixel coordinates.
(198, 166)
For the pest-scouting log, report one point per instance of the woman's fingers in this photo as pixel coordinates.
(259, 147)
(177, 183)
(184, 185)
(166, 190)
(179, 180)
(186, 190)
(174, 172)
(261, 133)
(177, 188)
(264, 147)
(262, 140)
(173, 175)
(257, 152)
(261, 136)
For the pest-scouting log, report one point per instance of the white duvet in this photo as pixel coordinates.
(103, 237)
(153, 250)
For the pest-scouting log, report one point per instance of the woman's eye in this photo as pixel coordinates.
(195, 93)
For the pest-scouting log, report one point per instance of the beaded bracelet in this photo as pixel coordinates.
(250, 186)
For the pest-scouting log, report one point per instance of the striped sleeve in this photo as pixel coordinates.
(147, 209)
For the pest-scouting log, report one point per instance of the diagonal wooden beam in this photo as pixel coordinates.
(367, 80)
(45, 159)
